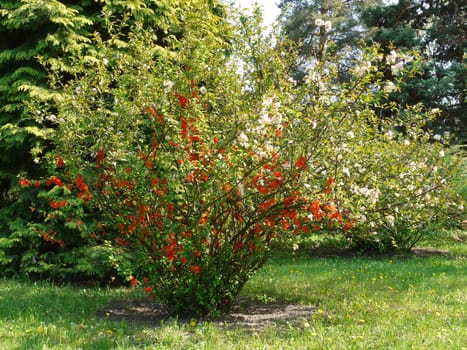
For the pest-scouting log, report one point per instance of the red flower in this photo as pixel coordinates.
(56, 181)
(57, 205)
(59, 160)
(237, 246)
(24, 182)
(133, 281)
(182, 101)
(347, 226)
(151, 111)
(148, 289)
(300, 163)
(100, 158)
(195, 269)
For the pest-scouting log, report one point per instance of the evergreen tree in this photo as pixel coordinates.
(41, 35)
(437, 30)
(29, 29)
(319, 24)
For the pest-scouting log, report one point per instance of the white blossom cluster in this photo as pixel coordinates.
(397, 61)
(326, 24)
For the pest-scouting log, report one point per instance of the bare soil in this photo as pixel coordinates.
(248, 314)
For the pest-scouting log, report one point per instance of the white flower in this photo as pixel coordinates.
(392, 57)
(264, 119)
(350, 134)
(389, 134)
(203, 90)
(105, 61)
(390, 220)
(389, 87)
(437, 137)
(327, 25)
(406, 142)
(243, 139)
(363, 68)
(52, 118)
(407, 58)
(397, 68)
(168, 85)
(319, 22)
(441, 153)
(346, 171)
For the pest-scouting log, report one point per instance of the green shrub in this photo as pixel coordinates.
(200, 155)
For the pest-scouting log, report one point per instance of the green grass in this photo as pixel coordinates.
(363, 303)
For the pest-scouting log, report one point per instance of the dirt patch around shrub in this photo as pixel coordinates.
(248, 314)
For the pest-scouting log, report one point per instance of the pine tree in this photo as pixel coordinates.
(318, 24)
(37, 36)
(437, 30)
(29, 29)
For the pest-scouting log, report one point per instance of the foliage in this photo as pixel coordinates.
(396, 183)
(158, 142)
(323, 25)
(437, 30)
(28, 29)
(36, 34)
(434, 28)
(360, 303)
(198, 156)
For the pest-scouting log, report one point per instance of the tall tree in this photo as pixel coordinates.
(29, 29)
(318, 24)
(35, 34)
(437, 29)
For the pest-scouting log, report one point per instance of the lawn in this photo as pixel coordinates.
(407, 302)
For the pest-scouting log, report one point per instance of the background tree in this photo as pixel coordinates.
(35, 34)
(28, 29)
(318, 24)
(437, 30)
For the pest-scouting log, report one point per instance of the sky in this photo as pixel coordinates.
(270, 10)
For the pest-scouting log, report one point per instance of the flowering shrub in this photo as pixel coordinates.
(393, 175)
(197, 160)
(194, 168)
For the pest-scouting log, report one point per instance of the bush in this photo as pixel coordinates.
(201, 155)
